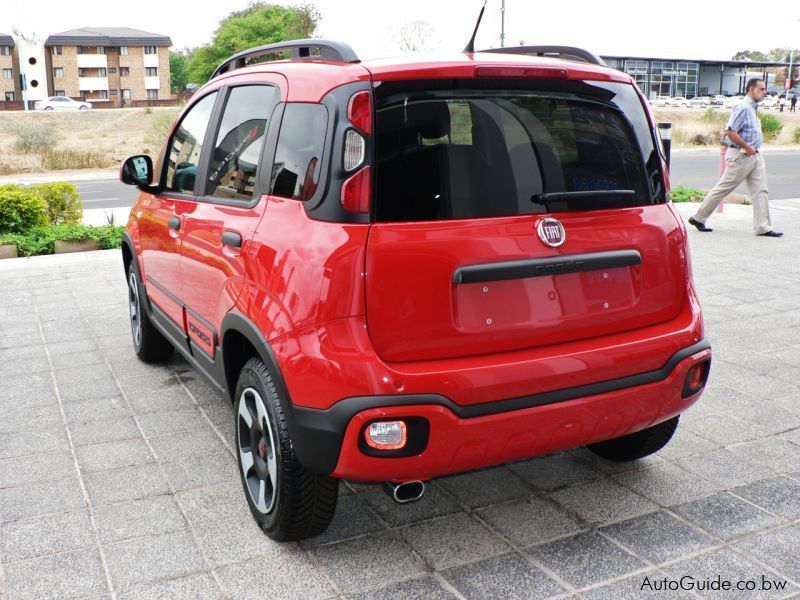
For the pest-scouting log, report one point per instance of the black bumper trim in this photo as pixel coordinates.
(320, 432)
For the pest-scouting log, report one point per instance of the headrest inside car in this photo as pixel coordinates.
(429, 118)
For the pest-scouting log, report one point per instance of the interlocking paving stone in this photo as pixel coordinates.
(28, 538)
(424, 587)
(174, 421)
(585, 559)
(773, 452)
(207, 470)
(287, 575)
(454, 540)
(602, 501)
(485, 487)
(56, 576)
(226, 542)
(667, 484)
(363, 563)
(40, 498)
(553, 472)
(726, 516)
(100, 431)
(636, 587)
(777, 548)
(659, 537)
(725, 468)
(198, 586)
(529, 521)
(37, 467)
(214, 504)
(113, 455)
(143, 517)
(146, 559)
(779, 495)
(509, 576)
(127, 483)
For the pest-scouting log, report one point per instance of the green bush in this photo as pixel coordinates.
(770, 126)
(32, 136)
(686, 194)
(21, 208)
(42, 240)
(64, 204)
(66, 158)
(796, 135)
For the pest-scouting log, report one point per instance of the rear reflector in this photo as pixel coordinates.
(354, 146)
(359, 111)
(696, 378)
(356, 192)
(386, 435)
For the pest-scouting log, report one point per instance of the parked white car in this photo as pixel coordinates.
(678, 101)
(700, 102)
(718, 100)
(62, 103)
(660, 101)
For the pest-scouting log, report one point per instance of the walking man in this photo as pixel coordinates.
(793, 103)
(743, 162)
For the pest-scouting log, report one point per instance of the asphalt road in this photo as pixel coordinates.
(702, 171)
(692, 170)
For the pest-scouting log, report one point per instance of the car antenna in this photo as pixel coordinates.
(470, 47)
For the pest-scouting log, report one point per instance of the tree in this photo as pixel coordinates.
(751, 55)
(415, 36)
(178, 76)
(257, 25)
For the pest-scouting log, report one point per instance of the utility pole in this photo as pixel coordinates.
(502, 23)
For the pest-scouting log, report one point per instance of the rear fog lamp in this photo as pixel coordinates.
(696, 378)
(386, 435)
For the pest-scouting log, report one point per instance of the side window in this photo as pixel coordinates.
(183, 154)
(298, 158)
(239, 141)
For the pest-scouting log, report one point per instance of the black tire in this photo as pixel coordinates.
(299, 504)
(148, 342)
(637, 445)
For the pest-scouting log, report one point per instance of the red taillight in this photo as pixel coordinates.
(533, 72)
(696, 375)
(359, 111)
(356, 191)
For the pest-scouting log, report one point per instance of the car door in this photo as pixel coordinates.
(219, 224)
(161, 214)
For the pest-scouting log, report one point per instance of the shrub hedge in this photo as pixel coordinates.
(23, 207)
(42, 240)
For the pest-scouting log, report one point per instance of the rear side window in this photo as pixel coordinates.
(298, 157)
(463, 153)
(183, 155)
(237, 148)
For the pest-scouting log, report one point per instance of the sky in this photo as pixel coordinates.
(670, 29)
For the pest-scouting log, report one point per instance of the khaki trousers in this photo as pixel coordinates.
(738, 168)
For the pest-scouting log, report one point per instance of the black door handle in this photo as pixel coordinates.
(232, 239)
(174, 223)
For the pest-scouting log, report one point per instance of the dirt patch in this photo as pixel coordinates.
(105, 136)
(701, 127)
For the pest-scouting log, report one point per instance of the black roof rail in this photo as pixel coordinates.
(298, 50)
(567, 52)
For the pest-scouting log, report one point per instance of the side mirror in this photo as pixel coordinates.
(137, 170)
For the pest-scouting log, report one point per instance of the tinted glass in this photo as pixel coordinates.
(183, 154)
(460, 152)
(240, 138)
(295, 173)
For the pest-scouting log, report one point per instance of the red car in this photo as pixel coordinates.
(402, 269)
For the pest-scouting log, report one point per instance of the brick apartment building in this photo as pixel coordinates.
(109, 66)
(9, 73)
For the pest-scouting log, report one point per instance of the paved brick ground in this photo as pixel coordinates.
(118, 478)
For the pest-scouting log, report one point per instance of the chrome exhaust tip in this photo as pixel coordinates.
(402, 493)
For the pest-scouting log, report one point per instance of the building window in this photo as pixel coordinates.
(103, 94)
(60, 93)
(83, 95)
(151, 72)
(8, 74)
(124, 71)
(10, 97)
(79, 49)
(101, 50)
(5, 50)
(58, 72)
(150, 50)
(152, 94)
(113, 92)
(101, 72)
(56, 50)
(112, 70)
(123, 51)
(126, 94)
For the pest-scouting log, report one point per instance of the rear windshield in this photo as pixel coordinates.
(460, 149)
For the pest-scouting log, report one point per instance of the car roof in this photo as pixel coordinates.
(310, 80)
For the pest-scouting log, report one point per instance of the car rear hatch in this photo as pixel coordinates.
(515, 213)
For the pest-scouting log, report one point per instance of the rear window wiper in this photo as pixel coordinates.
(555, 196)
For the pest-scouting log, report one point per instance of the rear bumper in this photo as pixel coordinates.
(467, 437)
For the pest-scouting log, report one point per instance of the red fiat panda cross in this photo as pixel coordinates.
(402, 269)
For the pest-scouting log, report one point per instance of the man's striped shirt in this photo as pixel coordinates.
(744, 121)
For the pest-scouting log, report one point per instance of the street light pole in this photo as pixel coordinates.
(502, 23)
